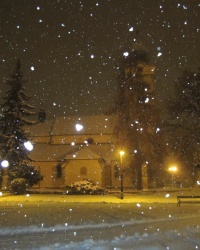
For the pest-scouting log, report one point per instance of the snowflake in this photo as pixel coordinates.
(159, 54)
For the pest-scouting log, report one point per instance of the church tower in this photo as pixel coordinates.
(135, 66)
(42, 115)
(137, 114)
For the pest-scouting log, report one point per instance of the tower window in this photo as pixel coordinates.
(42, 115)
(139, 70)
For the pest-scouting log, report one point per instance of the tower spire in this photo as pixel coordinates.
(138, 45)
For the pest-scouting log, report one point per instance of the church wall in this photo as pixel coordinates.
(107, 176)
(48, 171)
(77, 170)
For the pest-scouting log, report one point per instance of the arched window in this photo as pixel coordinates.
(116, 171)
(59, 171)
(83, 171)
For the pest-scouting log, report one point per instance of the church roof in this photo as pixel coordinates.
(75, 126)
(72, 125)
(48, 152)
(51, 153)
(40, 129)
(84, 125)
(83, 153)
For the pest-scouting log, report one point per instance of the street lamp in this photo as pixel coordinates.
(5, 165)
(28, 145)
(172, 170)
(121, 153)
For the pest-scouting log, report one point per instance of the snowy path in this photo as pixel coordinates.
(162, 234)
(145, 222)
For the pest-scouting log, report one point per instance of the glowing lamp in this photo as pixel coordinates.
(4, 163)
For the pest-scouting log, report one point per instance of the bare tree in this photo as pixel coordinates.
(184, 119)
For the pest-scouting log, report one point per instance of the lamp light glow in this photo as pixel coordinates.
(4, 163)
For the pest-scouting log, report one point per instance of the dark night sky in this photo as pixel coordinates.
(69, 49)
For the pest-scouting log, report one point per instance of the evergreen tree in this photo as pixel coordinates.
(15, 112)
(138, 120)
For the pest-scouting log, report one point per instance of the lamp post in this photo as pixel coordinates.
(121, 153)
(5, 165)
(28, 145)
(172, 170)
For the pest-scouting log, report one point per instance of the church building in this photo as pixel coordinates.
(70, 149)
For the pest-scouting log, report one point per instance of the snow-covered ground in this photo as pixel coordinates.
(139, 221)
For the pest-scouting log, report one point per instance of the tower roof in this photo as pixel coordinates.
(136, 53)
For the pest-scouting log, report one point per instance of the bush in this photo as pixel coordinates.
(19, 185)
(86, 187)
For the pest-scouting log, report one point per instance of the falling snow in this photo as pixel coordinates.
(49, 33)
(69, 51)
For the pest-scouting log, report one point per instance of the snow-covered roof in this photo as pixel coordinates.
(47, 152)
(74, 125)
(40, 129)
(84, 125)
(83, 153)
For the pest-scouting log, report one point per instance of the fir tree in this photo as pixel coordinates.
(15, 112)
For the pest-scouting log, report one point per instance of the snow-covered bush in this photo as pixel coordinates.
(19, 185)
(86, 187)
